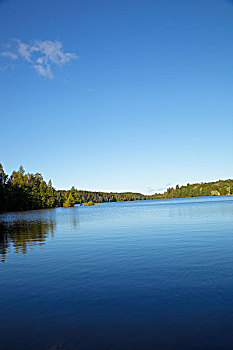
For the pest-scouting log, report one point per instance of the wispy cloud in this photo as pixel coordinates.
(9, 54)
(150, 189)
(161, 189)
(3, 68)
(89, 90)
(41, 55)
(167, 185)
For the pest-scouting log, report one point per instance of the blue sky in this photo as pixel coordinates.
(117, 95)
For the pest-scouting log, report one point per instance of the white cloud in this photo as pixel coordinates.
(9, 54)
(24, 50)
(43, 70)
(42, 55)
(3, 68)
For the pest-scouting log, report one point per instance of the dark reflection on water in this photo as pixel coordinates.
(22, 234)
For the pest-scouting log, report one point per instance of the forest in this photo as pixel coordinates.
(25, 191)
(216, 188)
(81, 197)
(22, 191)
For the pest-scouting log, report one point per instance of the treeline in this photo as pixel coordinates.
(22, 191)
(217, 188)
(81, 197)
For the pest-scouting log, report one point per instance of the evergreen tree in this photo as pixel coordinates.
(70, 202)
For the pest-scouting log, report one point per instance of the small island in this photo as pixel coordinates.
(87, 204)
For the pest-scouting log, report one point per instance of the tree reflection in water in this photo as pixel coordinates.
(22, 234)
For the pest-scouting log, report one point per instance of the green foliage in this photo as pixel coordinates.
(89, 203)
(82, 197)
(23, 191)
(70, 201)
(221, 187)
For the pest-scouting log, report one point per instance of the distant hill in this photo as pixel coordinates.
(217, 188)
(81, 196)
(24, 191)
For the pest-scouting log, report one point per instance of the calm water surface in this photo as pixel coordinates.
(131, 275)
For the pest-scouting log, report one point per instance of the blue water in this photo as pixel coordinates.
(130, 275)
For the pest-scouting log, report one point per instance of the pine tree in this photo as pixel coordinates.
(70, 202)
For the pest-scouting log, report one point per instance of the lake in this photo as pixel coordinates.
(129, 275)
